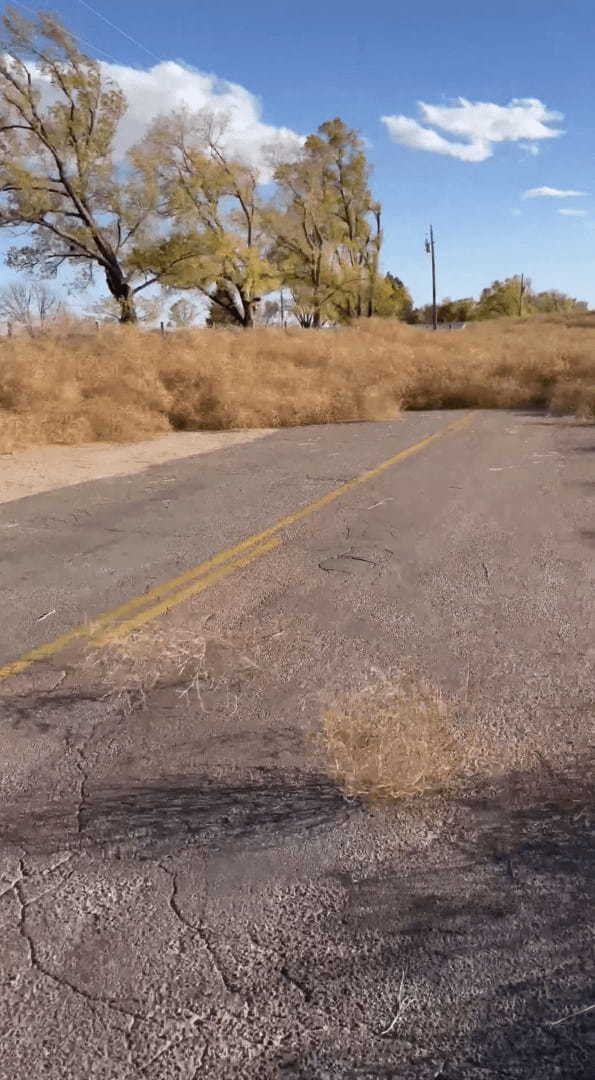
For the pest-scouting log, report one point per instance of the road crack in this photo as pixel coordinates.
(82, 797)
(198, 929)
(36, 964)
(348, 555)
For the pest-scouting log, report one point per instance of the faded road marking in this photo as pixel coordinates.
(126, 627)
(100, 629)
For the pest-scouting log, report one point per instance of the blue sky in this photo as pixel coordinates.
(311, 61)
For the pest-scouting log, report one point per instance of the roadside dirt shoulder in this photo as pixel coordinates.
(45, 468)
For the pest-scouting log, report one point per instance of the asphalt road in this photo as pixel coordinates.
(185, 891)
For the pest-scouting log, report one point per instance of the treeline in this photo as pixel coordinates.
(182, 212)
(512, 297)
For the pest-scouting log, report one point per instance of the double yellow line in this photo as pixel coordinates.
(121, 621)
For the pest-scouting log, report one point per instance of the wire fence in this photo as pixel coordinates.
(440, 326)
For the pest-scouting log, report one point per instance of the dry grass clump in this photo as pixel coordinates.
(76, 385)
(391, 741)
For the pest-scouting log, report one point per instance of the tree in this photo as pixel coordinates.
(552, 301)
(457, 311)
(182, 313)
(358, 252)
(218, 241)
(503, 298)
(305, 234)
(30, 304)
(327, 228)
(391, 299)
(59, 114)
(107, 310)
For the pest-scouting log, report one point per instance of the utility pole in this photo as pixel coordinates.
(521, 294)
(431, 250)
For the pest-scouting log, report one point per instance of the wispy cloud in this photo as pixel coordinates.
(552, 193)
(516, 212)
(530, 148)
(567, 212)
(480, 125)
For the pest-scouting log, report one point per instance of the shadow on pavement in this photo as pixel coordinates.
(492, 948)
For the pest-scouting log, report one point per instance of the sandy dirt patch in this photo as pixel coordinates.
(44, 468)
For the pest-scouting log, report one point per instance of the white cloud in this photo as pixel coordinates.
(552, 193)
(409, 133)
(480, 125)
(573, 213)
(170, 85)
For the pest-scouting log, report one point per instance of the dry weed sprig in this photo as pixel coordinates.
(134, 667)
(402, 1003)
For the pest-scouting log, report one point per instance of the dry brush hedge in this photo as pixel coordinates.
(72, 385)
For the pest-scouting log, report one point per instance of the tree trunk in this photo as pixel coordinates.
(121, 291)
(127, 309)
(248, 307)
(372, 279)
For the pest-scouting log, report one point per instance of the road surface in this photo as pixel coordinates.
(185, 891)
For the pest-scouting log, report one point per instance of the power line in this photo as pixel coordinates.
(118, 29)
(82, 40)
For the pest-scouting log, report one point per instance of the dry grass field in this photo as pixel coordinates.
(74, 385)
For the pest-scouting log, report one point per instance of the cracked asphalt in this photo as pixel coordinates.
(185, 891)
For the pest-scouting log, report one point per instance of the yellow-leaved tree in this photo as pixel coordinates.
(326, 227)
(215, 223)
(390, 298)
(60, 186)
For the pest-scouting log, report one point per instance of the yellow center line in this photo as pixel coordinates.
(163, 597)
(124, 628)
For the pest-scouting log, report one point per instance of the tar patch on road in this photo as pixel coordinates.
(165, 816)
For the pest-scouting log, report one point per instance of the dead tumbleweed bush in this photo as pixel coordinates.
(390, 741)
(396, 738)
